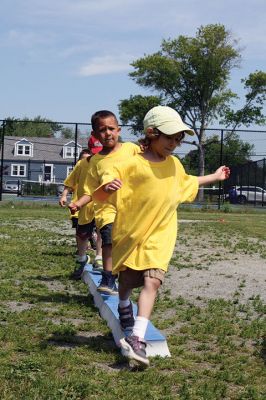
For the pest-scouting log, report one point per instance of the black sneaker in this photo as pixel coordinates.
(77, 273)
(126, 317)
(108, 284)
(83, 263)
(134, 348)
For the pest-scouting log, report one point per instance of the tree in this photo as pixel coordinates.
(191, 74)
(235, 152)
(134, 110)
(252, 111)
(38, 127)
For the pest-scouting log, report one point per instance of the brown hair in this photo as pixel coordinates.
(101, 114)
(84, 151)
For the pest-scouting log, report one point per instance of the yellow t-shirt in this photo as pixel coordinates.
(145, 227)
(100, 164)
(71, 182)
(77, 181)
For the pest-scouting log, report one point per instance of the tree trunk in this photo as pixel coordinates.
(201, 169)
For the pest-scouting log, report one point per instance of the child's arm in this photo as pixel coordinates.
(63, 197)
(220, 174)
(103, 192)
(82, 201)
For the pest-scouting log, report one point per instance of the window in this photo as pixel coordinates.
(69, 169)
(18, 170)
(24, 148)
(69, 150)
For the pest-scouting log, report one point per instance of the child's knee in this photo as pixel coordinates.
(152, 283)
(155, 275)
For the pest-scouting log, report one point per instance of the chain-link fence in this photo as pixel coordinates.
(36, 157)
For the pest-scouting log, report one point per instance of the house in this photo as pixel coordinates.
(39, 159)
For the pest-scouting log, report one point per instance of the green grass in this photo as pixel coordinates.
(54, 345)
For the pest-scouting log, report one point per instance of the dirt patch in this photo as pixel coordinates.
(241, 275)
(15, 306)
(57, 286)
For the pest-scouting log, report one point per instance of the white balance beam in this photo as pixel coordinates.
(107, 305)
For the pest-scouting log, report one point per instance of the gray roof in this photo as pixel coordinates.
(48, 149)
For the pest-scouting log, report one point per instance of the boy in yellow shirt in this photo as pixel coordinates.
(105, 128)
(76, 182)
(149, 187)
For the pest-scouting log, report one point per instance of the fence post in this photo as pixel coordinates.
(76, 143)
(221, 163)
(2, 160)
(255, 183)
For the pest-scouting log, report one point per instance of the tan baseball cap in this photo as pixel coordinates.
(167, 120)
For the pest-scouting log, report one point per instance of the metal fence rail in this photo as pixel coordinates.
(43, 162)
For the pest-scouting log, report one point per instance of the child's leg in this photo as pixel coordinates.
(107, 257)
(107, 283)
(98, 262)
(134, 346)
(106, 236)
(147, 296)
(98, 245)
(83, 233)
(125, 309)
(82, 247)
(82, 258)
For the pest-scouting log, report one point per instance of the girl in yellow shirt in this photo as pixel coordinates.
(151, 186)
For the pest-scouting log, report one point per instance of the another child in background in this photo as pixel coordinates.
(67, 190)
(105, 128)
(151, 186)
(85, 227)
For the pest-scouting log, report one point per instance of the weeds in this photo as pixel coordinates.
(55, 346)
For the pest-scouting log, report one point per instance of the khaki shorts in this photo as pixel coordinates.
(132, 278)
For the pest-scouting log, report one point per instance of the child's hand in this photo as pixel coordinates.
(112, 186)
(222, 173)
(63, 201)
(73, 208)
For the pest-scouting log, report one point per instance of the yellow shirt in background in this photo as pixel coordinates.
(145, 227)
(77, 181)
(71, 182)
(99, 165)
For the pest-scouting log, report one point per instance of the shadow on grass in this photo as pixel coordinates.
(263, 350)
(95, 342)
(61, 298)
(57, 253)
(48, 278)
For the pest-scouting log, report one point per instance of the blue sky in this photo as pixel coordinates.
(65, 59)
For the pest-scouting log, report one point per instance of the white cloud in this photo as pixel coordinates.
(25, 38)
(106, 65)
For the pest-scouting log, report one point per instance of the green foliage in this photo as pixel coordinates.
(38, 127)
(134, 110)
(191, 73)
(235, 152)
(252, 111)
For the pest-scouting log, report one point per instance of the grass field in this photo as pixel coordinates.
(54, 345)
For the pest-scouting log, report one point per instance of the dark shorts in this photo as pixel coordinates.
(74, 221)
(134, 279)
(106, 234)
(85, 231)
